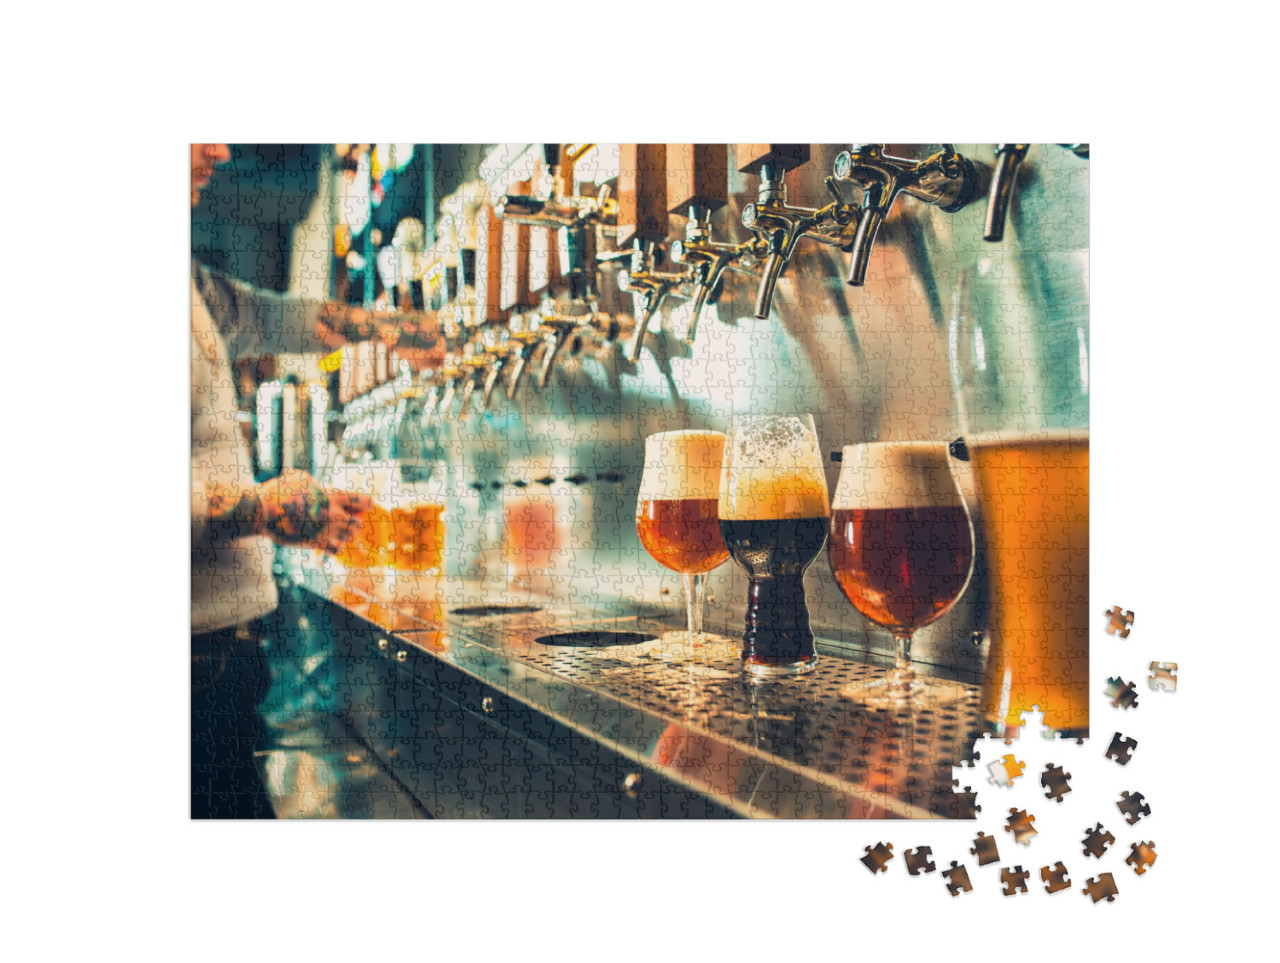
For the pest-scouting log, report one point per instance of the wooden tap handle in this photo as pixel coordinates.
(697, 176)
(642, 193)
(751, 157)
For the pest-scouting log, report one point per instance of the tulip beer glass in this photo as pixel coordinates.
(678, 526)
(901, 551)
(1019, 338)
(773, 517)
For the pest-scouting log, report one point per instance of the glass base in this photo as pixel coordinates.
(906, 692)
(759, 671)
(701, 647)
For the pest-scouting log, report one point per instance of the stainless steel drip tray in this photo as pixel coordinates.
(795, 747)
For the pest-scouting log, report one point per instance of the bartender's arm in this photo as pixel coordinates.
(291, 509)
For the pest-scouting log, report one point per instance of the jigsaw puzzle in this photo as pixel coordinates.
(1122, 694)
(1055, 879)
(1133, 806)
(1164, 675)
(1119, 621)
(1096, 841)
(1102, 886)
(469, 428)
(877, 859)
(1015, 880)
(957, 879)
(1141, 856)
(1121, 749)
(918, 861)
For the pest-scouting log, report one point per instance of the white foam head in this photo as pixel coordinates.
(896, 474)
(681, 464)
(773, 469)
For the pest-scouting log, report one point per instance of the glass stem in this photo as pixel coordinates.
(695, 586)
(903, 672)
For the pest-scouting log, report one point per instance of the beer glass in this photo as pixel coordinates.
(678, 526)
(902, 552)
(773, 517)
(1019, 339)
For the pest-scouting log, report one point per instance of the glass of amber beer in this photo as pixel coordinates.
(677, 523)
(773, 518)
(1019, 338)
(902, 552)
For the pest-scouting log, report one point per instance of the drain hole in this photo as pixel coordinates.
(593, 638)
(495, 609)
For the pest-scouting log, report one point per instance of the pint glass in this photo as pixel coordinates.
(1019, 340)
(773, 518)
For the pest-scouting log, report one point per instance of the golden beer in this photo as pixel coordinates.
(418, 531)
(1034, 492)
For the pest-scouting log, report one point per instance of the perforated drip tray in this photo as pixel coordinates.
(594, 639)
(481, 611)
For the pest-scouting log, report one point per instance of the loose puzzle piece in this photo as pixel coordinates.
(1122, 693)
(918, 860)
(1019, 823)
(957, 879)
(1014, 880)
(1163, 676)
(1055, 780)
(1141, 856)
(1121, 749)
(1119, 621)
(1005, 771)
(984, 847)
(876, 859)
(1055, 879)
(1096, 841)
(1103, 886)
(1133, 806)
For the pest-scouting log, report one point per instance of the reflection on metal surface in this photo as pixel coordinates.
(486, 610)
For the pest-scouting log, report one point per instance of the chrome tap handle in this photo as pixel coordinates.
(560, 331)
(1008, 159)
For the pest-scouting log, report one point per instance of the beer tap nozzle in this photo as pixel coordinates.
(945, 179)
(779, 227)
(1008, 159)
(651, 285)
(708, 261)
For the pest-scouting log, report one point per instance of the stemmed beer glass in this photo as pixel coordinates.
(677, 524)
(773, 516)
(902, 553)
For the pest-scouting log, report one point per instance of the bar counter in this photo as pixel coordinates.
(447, 683)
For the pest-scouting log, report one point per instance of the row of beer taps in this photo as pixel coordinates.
(591, 240)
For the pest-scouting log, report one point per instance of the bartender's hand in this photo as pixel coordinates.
(295, 510)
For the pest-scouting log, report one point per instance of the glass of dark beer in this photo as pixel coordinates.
(773, 517)
(902, 552)
(678, 526)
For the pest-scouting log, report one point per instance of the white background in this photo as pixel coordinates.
(100, 856)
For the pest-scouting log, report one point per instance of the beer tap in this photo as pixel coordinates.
(652, 286)
(945, 179)
(709, 260)
(451, 374)
(777, 225)
(497, 345)
(698, 183)
(526, 333)
(1008, 159)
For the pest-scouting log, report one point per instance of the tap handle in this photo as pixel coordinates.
(559, 336)
(873, 211)
(1008, 157)
(649, 307)
(772, 269)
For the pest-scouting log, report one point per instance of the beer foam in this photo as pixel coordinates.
(682, 465)
(774, 491)
(896, 474)
(773, 469)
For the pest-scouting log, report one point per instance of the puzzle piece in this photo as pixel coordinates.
(1014, 880)
(1005, 771)
(1055, 780)
(1096, 841)
(1103, 886)
(1121, 749)
(918, 861)
(1163, 676)
(957, 879)
(1133, 806)
(967, 799)
(1019, 823)
(1141, 856)
(1055, 880)
(1121, 693)
(1119, 622)
(984, 847)
(876, 859)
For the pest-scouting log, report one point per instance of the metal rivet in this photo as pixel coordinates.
(486, 705)
(382, 645)
(632, 782)
(401, 655)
